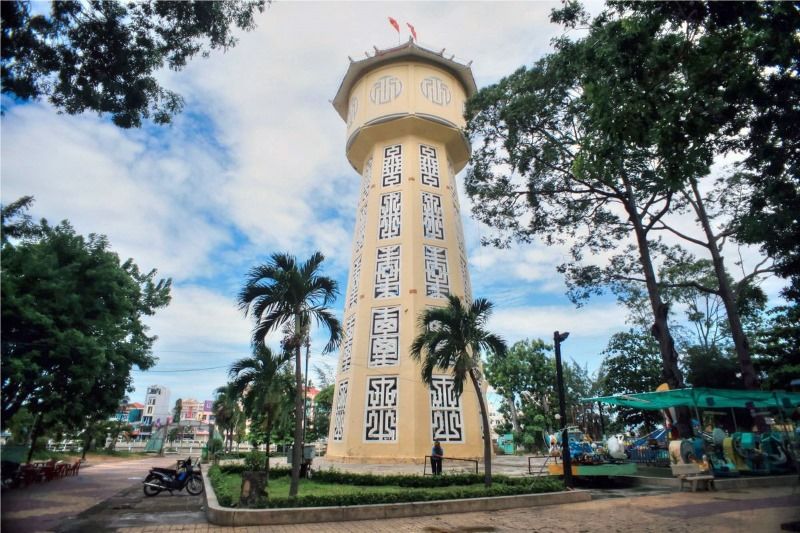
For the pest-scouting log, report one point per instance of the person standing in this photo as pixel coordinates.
(437, 453)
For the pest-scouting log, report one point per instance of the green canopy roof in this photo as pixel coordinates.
(703, 398)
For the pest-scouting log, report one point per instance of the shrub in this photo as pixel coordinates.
(215, 445)
(228, 493)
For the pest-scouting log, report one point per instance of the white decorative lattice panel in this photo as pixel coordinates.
(437, 282)
(361, 228)
(387, 272)
(453, 187)
(347, 344)
(384, 340)
(352, 298)
(446, 420)
(389, 218)
(366, 180)
(465, 278)
(435, 90)
(386, 89)
(428, 165)
(380, 413)
(352, 109)
(339, 411)
(432, 222)
(361, 217)
(392, 171)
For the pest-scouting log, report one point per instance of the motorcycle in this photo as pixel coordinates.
(186, 476)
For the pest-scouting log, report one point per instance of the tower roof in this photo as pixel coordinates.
(406, 51)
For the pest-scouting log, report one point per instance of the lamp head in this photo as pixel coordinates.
(561, 337)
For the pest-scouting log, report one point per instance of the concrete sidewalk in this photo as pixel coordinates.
(44, 506)
(747, 511)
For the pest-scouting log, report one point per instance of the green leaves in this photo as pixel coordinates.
(103, 56)
(72, 324)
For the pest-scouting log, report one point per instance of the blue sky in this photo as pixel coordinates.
(255, 164)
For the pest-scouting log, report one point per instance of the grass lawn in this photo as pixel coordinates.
(379, 489)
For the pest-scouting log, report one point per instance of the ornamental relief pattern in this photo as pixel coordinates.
(389, 219)
(435, 90)
(432, 216)
(446, 419)
(437, 283)
(384, 344)
(392, 171)
(339, 411)
(465, 278)
(352, 298)
(387, 272)
(385, 89)
(380, 413)
(428, 166)
(347, 344)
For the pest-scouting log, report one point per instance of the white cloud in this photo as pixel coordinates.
(515, 323)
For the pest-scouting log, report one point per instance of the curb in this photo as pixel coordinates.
(226, 516)
(722, 483)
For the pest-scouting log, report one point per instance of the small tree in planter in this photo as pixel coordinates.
(266, 387)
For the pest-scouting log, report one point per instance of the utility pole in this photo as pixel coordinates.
(566, 460)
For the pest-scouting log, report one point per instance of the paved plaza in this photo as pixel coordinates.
(108, 497)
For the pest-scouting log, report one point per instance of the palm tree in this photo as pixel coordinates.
(454, 337)
(258, 382)
(227, 411)
(280, 292)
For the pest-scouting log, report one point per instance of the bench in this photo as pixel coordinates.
(692, 474)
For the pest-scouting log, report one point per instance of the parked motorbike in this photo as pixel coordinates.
(186, 476)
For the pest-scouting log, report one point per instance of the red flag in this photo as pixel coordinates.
(394, 23)
(413, 31)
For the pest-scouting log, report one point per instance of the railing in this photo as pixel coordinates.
(650, 456)
(449, 467)
(542, 467)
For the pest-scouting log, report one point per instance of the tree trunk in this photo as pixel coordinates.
(87, 442)
(269, 432)
(297, 451)
(487, 439)
(660, 329)
(513, 410)
(35, 434)
(740, 341)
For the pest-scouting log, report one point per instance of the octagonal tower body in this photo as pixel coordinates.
(404, 111)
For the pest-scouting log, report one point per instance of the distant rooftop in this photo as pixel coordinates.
(408, 50)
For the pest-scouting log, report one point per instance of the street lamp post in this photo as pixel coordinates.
(559, 338)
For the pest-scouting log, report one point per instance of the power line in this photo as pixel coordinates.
(185, 369)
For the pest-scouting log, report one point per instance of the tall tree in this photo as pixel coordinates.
(453, 338)
(104, 56)
(323, 406)
(740, 62)
(227, 411)
(631, 364)
(544, 168)
(778, 347)
(73, 326)
(264, 387)
(283, 291)
(524, 369)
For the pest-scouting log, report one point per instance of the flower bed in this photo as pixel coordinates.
(336, 488)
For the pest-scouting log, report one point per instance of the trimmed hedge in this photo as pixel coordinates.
(502, 486)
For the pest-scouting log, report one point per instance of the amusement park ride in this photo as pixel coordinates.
(713, 449)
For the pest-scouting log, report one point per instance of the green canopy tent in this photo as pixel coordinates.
(704, 398)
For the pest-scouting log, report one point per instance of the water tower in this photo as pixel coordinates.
(404, 112)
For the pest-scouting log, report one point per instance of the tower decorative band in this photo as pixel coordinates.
(403, 110)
